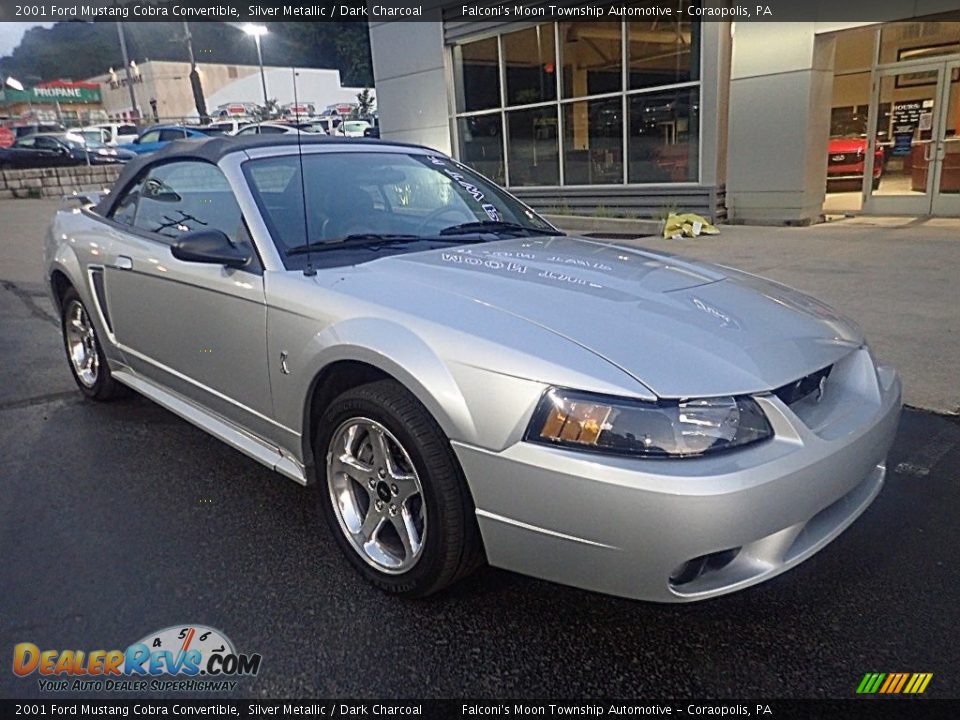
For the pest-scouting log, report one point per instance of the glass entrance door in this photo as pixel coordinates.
(912, 159)
(946, 197)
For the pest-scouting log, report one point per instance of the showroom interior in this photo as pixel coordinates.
(764, 122)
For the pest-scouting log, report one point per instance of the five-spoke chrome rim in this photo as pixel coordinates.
(81, 344)
(377, 495)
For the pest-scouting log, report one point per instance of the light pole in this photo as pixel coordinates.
(126, 66)
(257, 31)
(12, 82)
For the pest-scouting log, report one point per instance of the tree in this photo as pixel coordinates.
(270, 111)
(365, 103)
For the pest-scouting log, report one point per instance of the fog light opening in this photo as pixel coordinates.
(702, 565)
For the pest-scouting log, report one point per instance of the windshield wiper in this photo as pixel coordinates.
(365, 240)
(496, 227)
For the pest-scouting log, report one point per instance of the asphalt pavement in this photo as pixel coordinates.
(120, 519)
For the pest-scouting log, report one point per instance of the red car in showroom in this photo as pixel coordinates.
(847, 159)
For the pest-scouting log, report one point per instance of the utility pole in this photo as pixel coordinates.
(195, 84)
(126, 69)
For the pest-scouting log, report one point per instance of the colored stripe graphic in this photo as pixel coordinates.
(894, 683)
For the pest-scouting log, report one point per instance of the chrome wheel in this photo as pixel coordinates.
(376, 495)
(81, 344)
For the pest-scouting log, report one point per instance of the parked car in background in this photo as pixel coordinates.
(114, 133)
(229, 126)
(329, 123)
(464, 381)
(352, 128)
(847, 160)
(59, 149)
(275, 128)
(158, 136)
(20, 131)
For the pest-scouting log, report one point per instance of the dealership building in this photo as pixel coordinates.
(739, 120)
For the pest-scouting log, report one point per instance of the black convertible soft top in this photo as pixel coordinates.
(215, 148)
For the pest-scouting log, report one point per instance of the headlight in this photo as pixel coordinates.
(668, 428)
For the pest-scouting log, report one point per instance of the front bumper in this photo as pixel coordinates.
(715, 524)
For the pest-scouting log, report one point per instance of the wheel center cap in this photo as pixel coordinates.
(383, 491)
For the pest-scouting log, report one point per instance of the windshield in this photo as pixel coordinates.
(379, 194)
(90, 138)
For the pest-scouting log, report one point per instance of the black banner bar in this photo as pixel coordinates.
(458, 10)
(873, 709)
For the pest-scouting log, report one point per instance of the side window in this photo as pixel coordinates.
(171, 135)
(270, 130)
(249, 130)
(45, 143)
(126, 209)
(179, 197)
(127, 130)
(150, 137)
(26, 142)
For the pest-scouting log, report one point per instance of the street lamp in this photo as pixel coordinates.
(257, 31)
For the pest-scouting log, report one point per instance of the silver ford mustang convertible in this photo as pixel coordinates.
(463, 381)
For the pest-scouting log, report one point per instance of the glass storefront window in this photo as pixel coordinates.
(663, 142)
(902, 41)
(529, 58)
(477, 69)
(591, 58)
(481, 144)
(593, 142)
(855, 50)
(532, 149)
(663, 53)
(627, 110)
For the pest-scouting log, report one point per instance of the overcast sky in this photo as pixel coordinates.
(12, 32)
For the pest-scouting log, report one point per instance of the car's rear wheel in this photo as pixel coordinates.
(393, 492)
(84, 354)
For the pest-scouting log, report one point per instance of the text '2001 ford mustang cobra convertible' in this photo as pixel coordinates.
(462, 380)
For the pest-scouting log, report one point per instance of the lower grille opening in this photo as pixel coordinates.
(700, 566)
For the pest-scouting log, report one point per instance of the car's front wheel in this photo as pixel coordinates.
(84, 354)
(393, 492)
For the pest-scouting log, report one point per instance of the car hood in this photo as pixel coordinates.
(680, 328)
(847, 145)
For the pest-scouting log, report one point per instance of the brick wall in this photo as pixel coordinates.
(55, 182)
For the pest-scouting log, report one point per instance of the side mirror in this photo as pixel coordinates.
(210, 246)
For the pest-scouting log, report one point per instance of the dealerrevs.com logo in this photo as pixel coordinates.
(186, 658)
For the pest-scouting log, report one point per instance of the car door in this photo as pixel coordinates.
(195, 328)
(58, 152)
(147, 143)
(30, 153)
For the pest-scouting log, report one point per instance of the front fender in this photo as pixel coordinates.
(402, 354)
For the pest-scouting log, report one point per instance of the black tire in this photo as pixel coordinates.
(103, 387)
(452, 547)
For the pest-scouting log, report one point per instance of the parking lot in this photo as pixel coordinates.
(120, 519)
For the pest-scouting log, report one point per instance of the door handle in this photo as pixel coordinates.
(123, 263)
